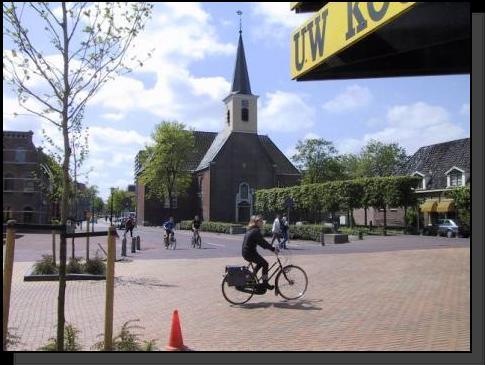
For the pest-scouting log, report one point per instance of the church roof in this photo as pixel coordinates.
(217, 143)
(240, 82)
(202, 142)
(283, 165)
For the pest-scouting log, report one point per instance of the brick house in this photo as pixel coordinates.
(441, 167)
(23, 199)
(228, 166)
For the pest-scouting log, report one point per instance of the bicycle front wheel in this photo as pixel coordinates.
(233, 295)
(292, 282)
(199, 242)
(174, 244)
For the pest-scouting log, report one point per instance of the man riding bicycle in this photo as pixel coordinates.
(252, 239)
(168, 226)
(196, 224)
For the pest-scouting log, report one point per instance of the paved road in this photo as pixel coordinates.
(30, 247)
(399, 293)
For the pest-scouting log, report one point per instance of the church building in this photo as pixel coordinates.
(229, 166)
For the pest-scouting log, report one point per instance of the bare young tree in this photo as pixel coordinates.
(58, 56)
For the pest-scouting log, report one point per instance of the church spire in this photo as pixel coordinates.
(240, 82)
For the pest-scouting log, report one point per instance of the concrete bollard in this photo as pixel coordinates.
(322, 239)
(123, 247)
(133, 245)
(361, 236)
(138, 243)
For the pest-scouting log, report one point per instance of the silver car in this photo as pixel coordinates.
(448, 227)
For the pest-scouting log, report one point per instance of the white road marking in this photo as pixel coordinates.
(215, 244)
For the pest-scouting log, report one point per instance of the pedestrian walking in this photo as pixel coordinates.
(276, 230)
(129, 225)
(285, 225)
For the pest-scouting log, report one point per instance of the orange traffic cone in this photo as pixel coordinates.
(176, 343)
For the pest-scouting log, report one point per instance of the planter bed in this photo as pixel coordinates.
(55, 277)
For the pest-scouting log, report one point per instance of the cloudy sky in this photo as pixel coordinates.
(190, 73)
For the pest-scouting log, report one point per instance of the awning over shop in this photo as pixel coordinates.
(368, 39)
(445, 206)
(429, 206)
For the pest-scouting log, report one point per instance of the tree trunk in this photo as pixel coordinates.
(385, 221)
(65, 203)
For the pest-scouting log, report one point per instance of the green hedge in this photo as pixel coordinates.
(302, 232)
(218, 227)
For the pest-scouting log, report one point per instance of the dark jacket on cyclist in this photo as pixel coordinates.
(196, 223)
(252, 239)
(168, 226)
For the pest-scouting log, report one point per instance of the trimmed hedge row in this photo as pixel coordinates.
(218, 227)
(303, 232)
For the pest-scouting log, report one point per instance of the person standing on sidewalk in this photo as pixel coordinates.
(276, 230)
(129, 225)
(285, 224)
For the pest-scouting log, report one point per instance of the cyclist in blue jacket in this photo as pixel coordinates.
(169, 226)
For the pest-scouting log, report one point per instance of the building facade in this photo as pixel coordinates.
(441, 167)
(227, 167)
(23, 199)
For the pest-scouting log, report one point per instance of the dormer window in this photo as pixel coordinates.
(455, 177)
(244, 110)
(423, 180)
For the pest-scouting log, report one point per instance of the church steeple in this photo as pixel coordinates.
(241, 104)
(240, 81)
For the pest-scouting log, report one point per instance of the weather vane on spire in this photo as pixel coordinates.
(239, 12)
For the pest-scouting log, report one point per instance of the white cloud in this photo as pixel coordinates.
(465, 109)
(285, 112)
(215, 87)
(351, 98)
(276, 21)
(412, 126)
(113, 116)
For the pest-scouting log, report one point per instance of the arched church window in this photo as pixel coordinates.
(245, 111)
(228, 117)
(244, 191)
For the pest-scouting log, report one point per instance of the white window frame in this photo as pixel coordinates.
(448, 178)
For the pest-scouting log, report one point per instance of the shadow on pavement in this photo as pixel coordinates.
(297, 304)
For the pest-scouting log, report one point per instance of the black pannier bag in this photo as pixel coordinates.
(237, 275)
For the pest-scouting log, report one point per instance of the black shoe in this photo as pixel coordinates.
(267, 285)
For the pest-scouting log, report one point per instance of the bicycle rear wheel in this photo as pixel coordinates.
(292, 282)
(233, 295)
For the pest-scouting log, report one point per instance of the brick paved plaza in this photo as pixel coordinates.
(401, 300)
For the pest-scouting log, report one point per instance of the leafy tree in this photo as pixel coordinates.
(378, 159)
(122, 200)
(60, 65)
(461, 196)
(318, 161)
(165, 165)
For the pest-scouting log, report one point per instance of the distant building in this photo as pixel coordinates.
(441, 167)
(228, 166)
(23, 199)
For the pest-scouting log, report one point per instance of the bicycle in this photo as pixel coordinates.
(240, 283)
(170, 242)
(196, 240)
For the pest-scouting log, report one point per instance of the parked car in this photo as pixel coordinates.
(445, 227)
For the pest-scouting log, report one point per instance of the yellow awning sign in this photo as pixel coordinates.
(445, 206)
(335, 27)
(429, 206)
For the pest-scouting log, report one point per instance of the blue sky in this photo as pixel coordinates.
(191, 72)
